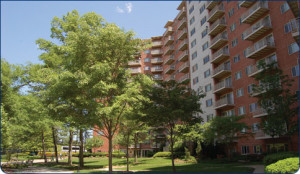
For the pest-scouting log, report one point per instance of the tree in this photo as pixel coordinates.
(93, 142)
(225, 129)
(277, 99)
(87, 79)
(171, 104)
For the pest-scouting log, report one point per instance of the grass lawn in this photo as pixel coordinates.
(150, 165)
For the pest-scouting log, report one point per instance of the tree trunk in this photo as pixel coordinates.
(110, 153)
(135, 148)
(127, 153)
(44, 148)
(172, 151)
(55, 144)
(70, 148)
(81, 150)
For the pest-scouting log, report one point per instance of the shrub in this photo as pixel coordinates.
(119, 154)
(289, 165)
(272, 158)
(150, 154)
(162, 154)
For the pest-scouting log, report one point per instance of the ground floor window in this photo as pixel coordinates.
(279, 147)
(257, 149)
(245, 150)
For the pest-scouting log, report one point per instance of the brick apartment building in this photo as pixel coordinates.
(217, 45)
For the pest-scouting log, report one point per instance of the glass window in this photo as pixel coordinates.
(245, 150)
(192, 20)
(253, 107)
(284, 7)
(204, 33)
(210, 117)
(250, 89)
(147, 51)
(293, 48)
(248, 70)
(255, 127)
(208, 88)
(209, 102)
(287, 27)
(234, 42)
(206, 59)
(257, 149)
(202, 8)
(207, 73)
(238, 75)
(195, 67)
(195, 80)
(231, 12)
(193, 43)
(147, 68)
(203, 20)
(241, 110)
(236, 58)
(147, 59)
(295, 71)
(191, 9)
(244, 130)
(232, 27)
(228, 113)
(205, 46)
(240, 92)
(193, 31)
(194, 55)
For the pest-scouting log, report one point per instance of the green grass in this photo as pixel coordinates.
(150, 165)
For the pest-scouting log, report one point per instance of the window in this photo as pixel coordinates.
(241, 110)
(147, 51)
(234, 42)
(287, 27)
(193, 31)
(195, 67)
(238, 5)
(210, 117)
(191, 9)
(239, 92)
(205, 46)
(245, 150)
(203, 20)
(255, 127)
(204, 33)
(228, 113)
(208, 88)
(244, 130)
(293, 48)
(242, 36)
(195, 80)
(202, 8)
(231, 12)
(194, 55)
(206, 59)
(257, 149)
(147, 68)
(207, 73)
(232, 27)
(238, 75)
(248, 70)
(295, 71)
(245, 53)
(284, 7)
(240, 20)
(208, 102)
(193, 43)
(236, 58)
(192, 20)
(253, 107)
(147, 59)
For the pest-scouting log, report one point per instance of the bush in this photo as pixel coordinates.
(272, 158)
(289, 165)
(150, 154)
(119, 154)
(162, 154)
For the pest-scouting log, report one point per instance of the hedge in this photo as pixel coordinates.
(168, 154)
(289, 165)
(272, 158)
(100, 154)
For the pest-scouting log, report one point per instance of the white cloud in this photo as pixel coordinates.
(128, 7)
(119, 10)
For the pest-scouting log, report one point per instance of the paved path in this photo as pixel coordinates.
(34, 161)
(33, 169)
(258, 168)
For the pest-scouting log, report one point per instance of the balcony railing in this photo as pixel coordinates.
(217, 27)
(184, 78)
(224, 102)
(134, 63)
(222, 86)
(157, 44)
(135, 70)
(261, 135)
(169, 40)
(169, 50)
(168, 31)
(170, 78)
(184, 56)
(221, 70)
(158, 77)
(184, 68)
(157, 69)
(247, 3)
(182, 24)
(183, 34)
(157, 61)
(259, 112)
(255, 12)
(169, 60)
(220, 55)
(182, 13)
(156, 52)
(211, 4)
(216, 13)
(295, 29)
(258, 29)
(261, 47)
(170, 69)
(183, 45)
(218, 41)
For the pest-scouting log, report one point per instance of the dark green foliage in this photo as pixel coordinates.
(289, 165)
(162, 154)
(272, 158)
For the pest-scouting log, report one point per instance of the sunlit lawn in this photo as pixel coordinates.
(150, 165)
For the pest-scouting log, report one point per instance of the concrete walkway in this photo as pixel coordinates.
(33, 169)
(258, 168)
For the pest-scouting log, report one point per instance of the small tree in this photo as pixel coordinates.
(93, 143)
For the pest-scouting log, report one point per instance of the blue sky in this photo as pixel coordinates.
(22, 23)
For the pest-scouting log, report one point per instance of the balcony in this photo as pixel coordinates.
(222, 87)
(135, 70)
(169, 60)
(183, 45)
(259, 135)
(257, 94)
(184, 78)
(216, 13)
(217, 27)
(157, 69)
(158, 77)
(224, 103)
(184, 56)
(182, 24)
(156, 52)
(170, 69)
(220, 55)
(258, 29)
(295, 29)
(183, 34)
(259, 112)
(169, 40)
(246, 4)
(255, 12)
(134, 63)
(169, 31)
(294, 6)
(260, 48)
(184, 68)
(169, 50)
(219, 41)
(156, 44)
(254, 71)
(221, 71)
(170, 78)
(182, 13)
(211, 4)
(157, 60)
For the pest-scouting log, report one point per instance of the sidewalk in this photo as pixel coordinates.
(34, 161)
(33, 169)
(258, 168)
